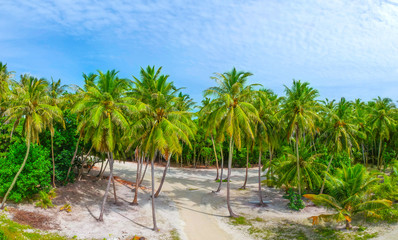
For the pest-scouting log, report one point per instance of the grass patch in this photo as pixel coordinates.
(240, 221)
(225, 180)
(10, 230)
(192, 189)
(174, 235)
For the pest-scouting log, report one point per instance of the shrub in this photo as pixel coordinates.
(296, 203)
(45, 200)
(35, 177)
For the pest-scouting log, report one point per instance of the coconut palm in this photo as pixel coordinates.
(160, 127)
(382, 119)
(341, 132)
(5, 77)
(349, 195)
(55, 91)
(232, 113)
(299, 110)
(28, 105)
(310, 170)
(104, 110)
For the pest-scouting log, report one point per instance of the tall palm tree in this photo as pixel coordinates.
(29, 106)
(55, 91)
(382, 120)
(104, 110)
(299, 109)
(232, 113)
(161, 127)
(341, 132)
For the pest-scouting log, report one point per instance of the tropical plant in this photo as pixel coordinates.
(103, 117)
(299, 109)
(232, 113)
(28, 105)
(349, 195)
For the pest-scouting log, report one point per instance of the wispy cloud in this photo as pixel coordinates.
(342, 43)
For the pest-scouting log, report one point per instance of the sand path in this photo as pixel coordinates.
(198, 217)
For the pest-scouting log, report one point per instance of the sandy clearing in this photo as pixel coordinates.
(185, 205)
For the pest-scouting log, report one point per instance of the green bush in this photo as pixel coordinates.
(296, 203)
(35, 177)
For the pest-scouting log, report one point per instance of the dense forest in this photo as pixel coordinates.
(341, 154)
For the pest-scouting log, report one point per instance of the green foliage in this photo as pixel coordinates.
(35, 177)
(240, 221)
(296, 203)
(45, 199)
(10, 230)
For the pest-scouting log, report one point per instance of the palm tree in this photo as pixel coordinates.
(341, 132)
(310, 170)
(104, 110)
(5, 77)
(55, 90)
(29, 106)
(161, 127)
(382, 121)
(232, 113)
(349, 195)
(300, 111)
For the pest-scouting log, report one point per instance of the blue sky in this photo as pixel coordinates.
(343, 48)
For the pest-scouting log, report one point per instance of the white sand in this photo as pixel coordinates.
(185, 205)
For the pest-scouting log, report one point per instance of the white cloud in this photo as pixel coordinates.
(326, 42)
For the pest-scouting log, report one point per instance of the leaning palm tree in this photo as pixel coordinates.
(341, 132)
(29, 106)
(104, 110)
(299, 109)
(382, 119)
(232, 113)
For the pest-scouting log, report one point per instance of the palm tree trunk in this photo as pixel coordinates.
(137, 180)
(194, 156)
(269, 172)
(231, 149)
(16, 176)
(114, 189)
(143, 175)
(155, 228)
(163, 177)
(378, 156)
(73, 159)
(103, 170)
(247, 169)
(84, 161)
(215, 154)
(222, 170)
(327, 170)
(363, 153)
(259, 177)
(52, 156)
(298, 161)
(101, 217)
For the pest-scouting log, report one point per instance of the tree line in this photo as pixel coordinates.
(297, 140)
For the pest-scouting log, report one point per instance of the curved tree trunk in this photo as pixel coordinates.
(247, 170)
(222, 170)
(52, 156)
(143, 175)
(101, 217)
(16, 176)
(73, 160)
(327, 170)
(259, 178)
(84, 161)
(231, 149)
(163, 177)
(298, 161)
(103, 170)
(215, 154)
(137, 180)
(155, 228)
